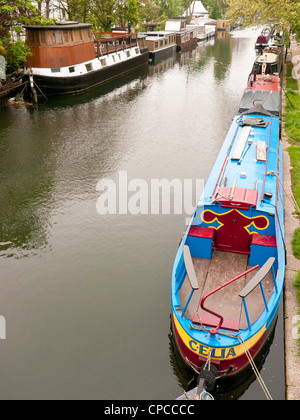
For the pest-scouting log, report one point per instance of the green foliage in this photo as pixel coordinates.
(256, 12)
(297, 286)
(294, 152)
(292, 83)
(16, 55)
(13, 15)
(296, 244)
(216, 8)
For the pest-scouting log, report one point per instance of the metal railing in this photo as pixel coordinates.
(255, 281)
(110, 42)
(213, 331)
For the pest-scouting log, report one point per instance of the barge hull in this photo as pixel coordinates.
(77, 84)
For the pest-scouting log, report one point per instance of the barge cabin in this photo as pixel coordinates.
(67, 58)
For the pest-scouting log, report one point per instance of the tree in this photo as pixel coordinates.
(149, 11)
(128, 12)
(216, 8)
(286, 12)
(13, 15)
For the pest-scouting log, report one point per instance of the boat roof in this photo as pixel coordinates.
(265, 82)
(270, 100)
(242, 172)
(61, 25)
(267, 58)
(158, 33)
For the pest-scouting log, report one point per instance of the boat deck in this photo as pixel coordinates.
(212, 273)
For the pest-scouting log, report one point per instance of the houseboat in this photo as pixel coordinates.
(67, 58)
(228, 274)
(205, 29)
(186, 38)
(267, 63)
(264, 90)
(264, 39)
(223, 25)
(160, 44)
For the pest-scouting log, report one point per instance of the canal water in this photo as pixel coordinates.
(86, 296)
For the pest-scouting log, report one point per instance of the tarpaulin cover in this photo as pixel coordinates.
(271, 101)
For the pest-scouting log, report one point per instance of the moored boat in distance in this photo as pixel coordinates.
(67, 58)
(264, 39)
(186, 38)
(228, 274)
(267, 63)
(160, 44)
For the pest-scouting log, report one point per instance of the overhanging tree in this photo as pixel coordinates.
(13, 15)
(256, 12)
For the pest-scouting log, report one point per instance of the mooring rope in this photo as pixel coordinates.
(255, 369)
(249, 357)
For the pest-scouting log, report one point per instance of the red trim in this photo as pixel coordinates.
(264, 240)
(201, 232)
(241, 197)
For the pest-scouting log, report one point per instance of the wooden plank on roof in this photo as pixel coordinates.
(261, 154)
(240, 146)
(190, 270)
(258, 278)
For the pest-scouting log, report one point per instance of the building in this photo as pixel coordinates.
(197, 10)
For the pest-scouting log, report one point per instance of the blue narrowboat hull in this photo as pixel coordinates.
(218, 312)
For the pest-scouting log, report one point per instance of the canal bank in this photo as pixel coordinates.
(291, 305)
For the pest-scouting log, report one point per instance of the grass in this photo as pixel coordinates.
(294, 152)
(291, 83)
(292, 128)
(292, 115)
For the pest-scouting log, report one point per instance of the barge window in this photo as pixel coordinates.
(55, 70)
(53, 37)
(103, 62)
(128, 53)
(43, 37)
(59, 37)
(66, 36)
(89, 67)
(156, 44)
(71, 69)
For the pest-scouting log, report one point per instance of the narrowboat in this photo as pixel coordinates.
(264, 90)
(228, 274)
(186, 38)
(267, 63)
(160, 44)
(263, 39)
(67, 58)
